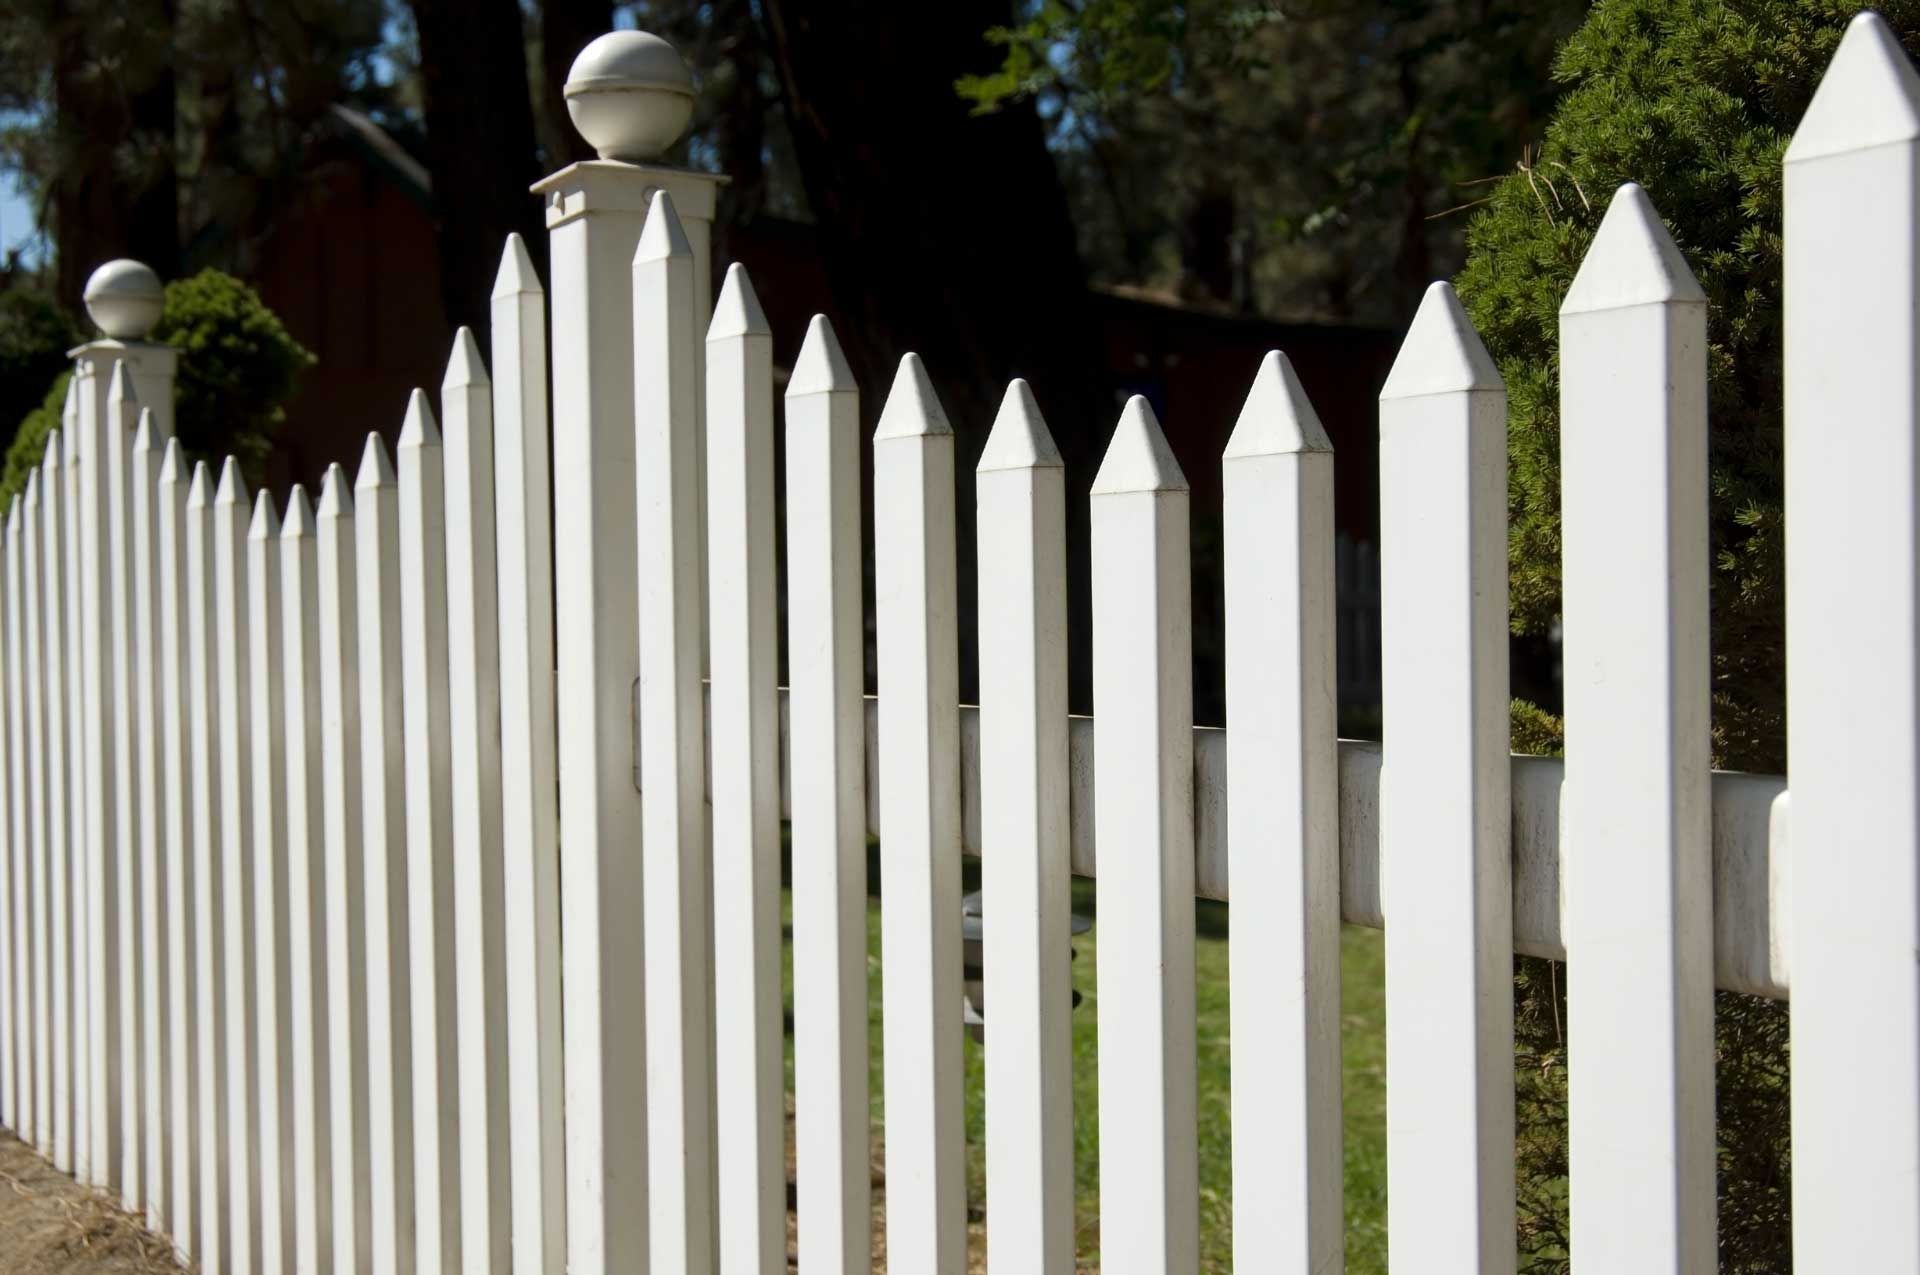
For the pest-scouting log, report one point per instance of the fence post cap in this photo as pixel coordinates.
(821, 367)
(630, 95)
(1441, 354)
(123, 298)
(1277, 417)
(1632, 261)
(375, 469)
(912, 409)
(517, 275)
(1138, 458)
(1019, 438)
(738, 311)
(1868, 97)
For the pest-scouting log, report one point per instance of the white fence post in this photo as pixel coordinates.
(1852, 291)
(273, 976)
(1283, 830)
(176, 751)
(37, 1109)
(309, 1032)
(230, 506)
(1639, 889)
(430, 938)
(59, 865)
(1444, 808)
(209, 943)
(1143, 823)
(344, 880)
(918, 664)
(473, 716)
(750, 1084)
(155, 802)
(1026, 881)
(676, 898)
(529, 776)
(827, 761)
(383, 792)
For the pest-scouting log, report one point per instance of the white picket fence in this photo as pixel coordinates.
(310, 852)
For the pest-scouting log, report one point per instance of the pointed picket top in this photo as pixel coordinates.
(33, 489)
(661, 236)
(70, 407)
(465, 367)
(1869, 96)
(912, 409)
(299, 520)
(1277, 419)
(738, 312)
(200, 490)
(173, 462)
(120, 387)
(336, 501)
(1138, 458)
(1019, 437)
(822, 366)
(376, 470)
(13, 517)
(419, 429)
(1632, 261)
(517, 276)
(1441, 354)
(50, 459)
(266, 522)
(146, 435)
(233, 488)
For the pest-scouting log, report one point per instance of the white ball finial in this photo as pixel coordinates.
(630, 95)
(123, 299)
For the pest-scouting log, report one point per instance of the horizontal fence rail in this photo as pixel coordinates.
(391, 882)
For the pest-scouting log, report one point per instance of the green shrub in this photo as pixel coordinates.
(238, 368)
(35, 335)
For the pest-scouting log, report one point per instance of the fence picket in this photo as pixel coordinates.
(102, 894)
(1283, 830)
(1852, 291)
(918, 663)
(383, 794)
(345, 885)
(827, 762)
(749, 1082)
(177, 746)
(121, 970)
(430, 938)
(1633, 393)
(154, 802)
(230, 506)
(209, 942)
(1143, 817)
(79, 990)
(273, 976)
(59, 870)
(308, 1035)
(676, 901)
(1026, 882)
(473, 717)
(530, 815)
(1445, 807)
(19, 1096)
(33, 918)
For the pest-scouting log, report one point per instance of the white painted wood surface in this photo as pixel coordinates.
(1852, 294)
(829, 798)
(9, 1025)
(1445, 805)
(210, 1018)
(1633, 461)
(60, 898)
(677, 895)
(153, 799)
(339, 638)
(1143, 814)
(237, 968)
(1283, 830)
(37, 1101)
(750, 1080)
(19, 1039)
(918, 662)
(594, 213)
(430, 931)
(103, 1167)
(383, 794)
(1020, 486)
(272, 978)
(473, 715)
(309, 1069)
(79, 991)
(119, 971)
(176, 754)
(529, 773)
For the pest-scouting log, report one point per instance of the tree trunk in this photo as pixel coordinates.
(480, 146)
(948, 234)
(566, 27)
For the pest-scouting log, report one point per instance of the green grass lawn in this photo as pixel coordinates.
(1363, 1044)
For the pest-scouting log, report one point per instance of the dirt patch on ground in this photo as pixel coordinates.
(51, 1225)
